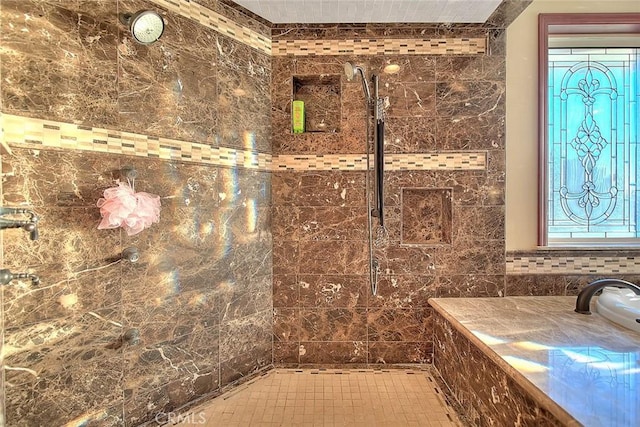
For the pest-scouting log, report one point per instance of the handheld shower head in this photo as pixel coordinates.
(350, 72)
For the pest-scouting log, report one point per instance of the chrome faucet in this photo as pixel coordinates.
(6, 276)
(30, 225)
(585, 295)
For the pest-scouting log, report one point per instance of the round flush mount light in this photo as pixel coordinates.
(391, 68)
(146, 26)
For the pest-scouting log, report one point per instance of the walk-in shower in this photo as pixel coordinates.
(375, 106)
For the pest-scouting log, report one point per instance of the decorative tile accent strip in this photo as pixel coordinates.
(215, 21)
(326, 162)
(572, 265)
(436, 161)
(38, 133)
(448, 46)
(393, 162)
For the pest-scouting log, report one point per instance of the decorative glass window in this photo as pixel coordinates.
(591, 136)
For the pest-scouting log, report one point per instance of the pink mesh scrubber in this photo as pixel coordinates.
(123, 207)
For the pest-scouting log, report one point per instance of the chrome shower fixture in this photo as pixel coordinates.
(146, 26)
(30, 225)
(6, 277)
(131, 254)
(350, 72)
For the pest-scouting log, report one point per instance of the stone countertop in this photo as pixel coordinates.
(583, 369)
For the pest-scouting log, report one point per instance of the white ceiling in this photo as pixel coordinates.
(371, 11)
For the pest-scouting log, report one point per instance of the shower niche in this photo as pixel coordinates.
(321, 97)
(426, 216)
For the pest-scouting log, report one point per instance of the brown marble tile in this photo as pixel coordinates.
(322, 353)
(538, 285)
(318, 189)
(334, 291)
(286, 290)
(472, 285)
(67, 65)
(239, 15)
(141, 405)
(410, 99)
(286, 325)
(479, 257)
(473, 67)
(177, 183)
(170, 81)
(93, 396)
(470, 133)
(399, 324)
(393, 260)
(403, 291)
(413, 68)
(61, 293)
(45, 178)
(476, 381)
(67, 235)
(333, 257)
(286, 353)
(410, 135)
(320, 223)
(285, 257)
(244, 110)
(71, 344)
(162, 318)
(507, 12)
(245, 297)
(399, 352)
(149, 366)
(333, 324)
(245, 346)
(467, 98)
(479, 223)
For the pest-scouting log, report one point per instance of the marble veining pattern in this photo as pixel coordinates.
(211, 19)
(582, 369)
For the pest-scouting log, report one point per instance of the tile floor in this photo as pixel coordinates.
(290, 397)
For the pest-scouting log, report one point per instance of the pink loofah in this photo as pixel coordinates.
(122, 207)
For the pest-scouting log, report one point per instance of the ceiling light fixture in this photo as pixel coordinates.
(391, 69)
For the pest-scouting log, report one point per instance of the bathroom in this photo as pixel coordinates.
(260, 257)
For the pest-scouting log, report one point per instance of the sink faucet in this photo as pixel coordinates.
(30, 225)
(585, 295)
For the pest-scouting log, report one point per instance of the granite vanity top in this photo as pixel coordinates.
(580, 367)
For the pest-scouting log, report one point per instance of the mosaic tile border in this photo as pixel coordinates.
(444, 46)
(547, 264)
(38, 133)
(393, 162)
(217, 22)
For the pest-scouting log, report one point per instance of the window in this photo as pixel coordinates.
(590, 130)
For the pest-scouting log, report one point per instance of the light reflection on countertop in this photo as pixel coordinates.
(586, 365)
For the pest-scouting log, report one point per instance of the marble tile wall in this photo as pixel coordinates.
(324, 312)
(119, 342)
(485, 393)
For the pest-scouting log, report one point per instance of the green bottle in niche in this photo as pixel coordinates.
(297, 116)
